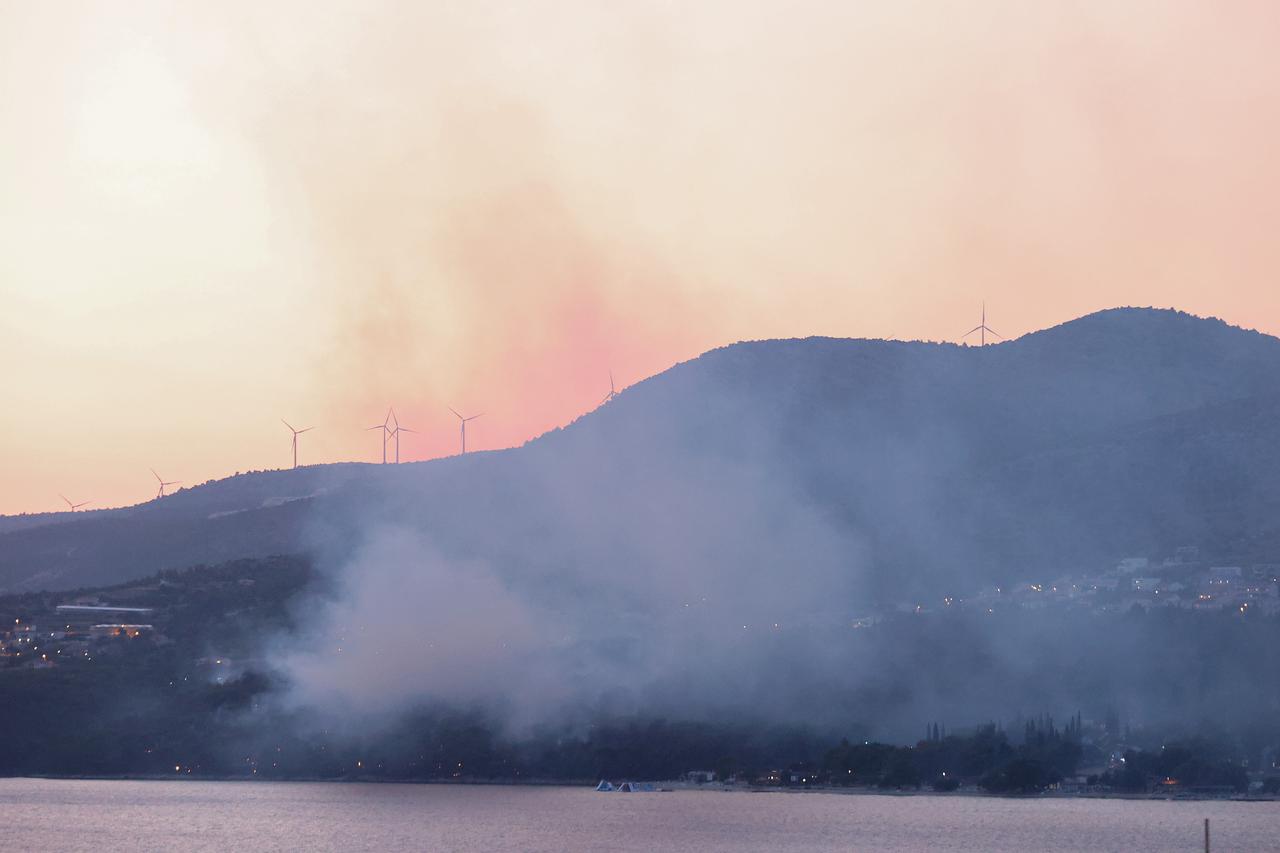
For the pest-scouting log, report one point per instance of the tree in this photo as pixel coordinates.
(1019, 776)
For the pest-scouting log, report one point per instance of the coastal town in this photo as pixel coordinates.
(1184, 579)
(40, 632)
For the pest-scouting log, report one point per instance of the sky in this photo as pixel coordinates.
(216, 216)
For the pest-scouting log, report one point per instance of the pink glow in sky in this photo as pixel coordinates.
(219, 215)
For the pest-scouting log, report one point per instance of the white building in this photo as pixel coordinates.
(1223, 575)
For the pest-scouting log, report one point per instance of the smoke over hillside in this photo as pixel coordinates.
(549, 599)
(705, 545)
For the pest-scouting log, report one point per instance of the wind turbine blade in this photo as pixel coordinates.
(376, 426)
(406, 429)
(994, 332)
(286, 423)
(154, 474)
(455, 411)
(308, 429)
(394, 419)
(971, 331)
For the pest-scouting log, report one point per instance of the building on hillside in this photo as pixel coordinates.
(1223, 575)
(1133, 565)
(1266, 572)
(120, 630)
(93, 620)
(80, 611)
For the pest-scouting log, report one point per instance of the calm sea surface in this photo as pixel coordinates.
(38, 815)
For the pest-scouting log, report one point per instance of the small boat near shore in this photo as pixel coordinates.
(626, 787)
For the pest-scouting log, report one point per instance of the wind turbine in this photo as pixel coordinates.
(395, 433)
(74, 507)
(983, 327)
(386, 431)
(464, 425)
(163, 483)
(296, 433)
(612, 391)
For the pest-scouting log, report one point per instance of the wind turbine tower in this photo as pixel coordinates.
(74, 507)
(386, 433)
(163, 483)
(613, 392)
(395, 433)
(463, 421)
(296, 433)
(983, 328)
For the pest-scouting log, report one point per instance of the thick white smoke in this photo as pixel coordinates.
(570, 576)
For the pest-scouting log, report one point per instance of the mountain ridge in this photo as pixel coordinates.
(904, 446)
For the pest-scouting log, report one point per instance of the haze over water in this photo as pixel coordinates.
(80, 815)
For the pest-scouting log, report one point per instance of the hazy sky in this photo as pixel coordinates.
(213, 216)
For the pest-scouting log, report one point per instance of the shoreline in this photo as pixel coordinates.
(665, 787)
